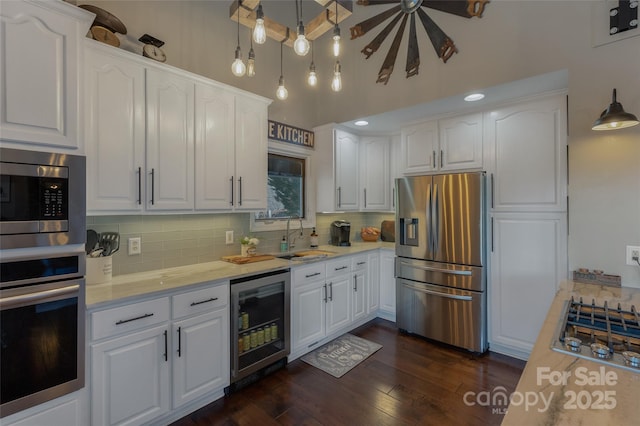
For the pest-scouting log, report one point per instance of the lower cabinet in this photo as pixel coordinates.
(387, 308)
(146, 363)
(330, 298)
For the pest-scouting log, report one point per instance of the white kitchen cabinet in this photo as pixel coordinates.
(69, 410)
(527, 155)
(448, 144)
(346, 167)
(339, 309)
(461, 142)
(308, 311)
(360, 284)
(528, 259)
(387, 285)
(373, 282)
(374, 173)
(41, 73)
(114, 132)
(419, 143)
(170, 141)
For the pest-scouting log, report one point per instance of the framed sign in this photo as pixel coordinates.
(290, 134)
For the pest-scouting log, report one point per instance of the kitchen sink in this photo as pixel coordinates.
(305, 255)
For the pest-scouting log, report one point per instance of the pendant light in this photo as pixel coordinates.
(251, 61)
(281, 93)
(614, 117)
(237, 67)
(336, 82)
(312, 78)
(336, 35)
(259, 32)
(301, 45)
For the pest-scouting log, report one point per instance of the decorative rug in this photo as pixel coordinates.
(341, 354)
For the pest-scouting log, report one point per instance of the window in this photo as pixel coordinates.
(285, 188)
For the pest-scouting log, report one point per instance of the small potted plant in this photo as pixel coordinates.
(248, 246)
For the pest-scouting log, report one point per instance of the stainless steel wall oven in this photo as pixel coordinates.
(42, 337)
(259, 322)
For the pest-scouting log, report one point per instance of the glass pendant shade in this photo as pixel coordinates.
(301, 45)
(614, 117)
(336, 82)
(237, 67)
(312, 78)
(336, 41)
(251, 64)
(259, 31)
(282, 93)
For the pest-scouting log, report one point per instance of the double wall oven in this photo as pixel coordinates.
(42, 286)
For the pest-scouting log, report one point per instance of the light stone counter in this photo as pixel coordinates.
(143, 284)
(590, 393)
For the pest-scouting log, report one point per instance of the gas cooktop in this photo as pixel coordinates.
(600, 333)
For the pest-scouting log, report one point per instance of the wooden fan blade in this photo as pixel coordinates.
(464, 8)
(372, 47)
(413, 53)
(390, 60)
(375, 2)
(363, 27)
(441, 42)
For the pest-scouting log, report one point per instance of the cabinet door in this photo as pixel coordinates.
(346, 163)
(461, 142)
(170, 154)
(201, 355)
(339, 290)
(214, 147)
(387, 284)
(418, 148)
(251, 154)
(114, 132)
(374, 173)
(528, 155)
(528, 260)
(308, 315)
(359, 294)
(130, 378)
(39, 72)
(373, 282)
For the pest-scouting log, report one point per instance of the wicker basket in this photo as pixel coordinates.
(372, 238)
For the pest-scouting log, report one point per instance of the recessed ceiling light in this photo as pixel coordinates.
(474, 97)
(361, 123)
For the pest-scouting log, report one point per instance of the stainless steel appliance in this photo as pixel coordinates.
(42, 199)
(609, 335)
(260, 312)
(440, 257)
(340, 233)
(42, 309)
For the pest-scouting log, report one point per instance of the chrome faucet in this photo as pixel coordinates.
(290, 244)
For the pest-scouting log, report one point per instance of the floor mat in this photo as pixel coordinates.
(341, 354)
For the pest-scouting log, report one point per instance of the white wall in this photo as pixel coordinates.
(513, 40)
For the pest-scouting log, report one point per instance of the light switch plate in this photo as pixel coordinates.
(135, 246)
(632, 251)
(228, 239)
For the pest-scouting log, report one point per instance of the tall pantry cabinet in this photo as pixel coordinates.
(526, 158)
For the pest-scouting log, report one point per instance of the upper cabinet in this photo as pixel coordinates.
(161, 139)
(442, 145)
(374, 173)
(346, 178)
(40, 107)
(527, 155)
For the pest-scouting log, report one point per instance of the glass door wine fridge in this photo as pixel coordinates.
(259, 322)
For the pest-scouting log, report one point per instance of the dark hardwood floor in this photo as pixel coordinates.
(410, 381)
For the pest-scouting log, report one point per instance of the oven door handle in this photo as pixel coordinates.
(38, 296)
(439, 293)
(432, 269)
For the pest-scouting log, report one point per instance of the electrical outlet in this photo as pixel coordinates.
(135, 246)
(228, 238)
(633, 255)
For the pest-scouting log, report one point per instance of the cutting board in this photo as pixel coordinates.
(388, 230)
(241, 260)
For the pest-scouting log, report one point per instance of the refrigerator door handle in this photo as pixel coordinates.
(432, 269)
(435, 219)
(429, 217)
(438, 293)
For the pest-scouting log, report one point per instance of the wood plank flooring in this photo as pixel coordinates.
(410, 381)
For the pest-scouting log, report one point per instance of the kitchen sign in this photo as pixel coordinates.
(289, 134)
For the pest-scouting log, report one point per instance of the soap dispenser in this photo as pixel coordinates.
(313, 239)
(283, 245)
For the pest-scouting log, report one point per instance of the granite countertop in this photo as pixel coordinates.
(590, 393)
(138, 285)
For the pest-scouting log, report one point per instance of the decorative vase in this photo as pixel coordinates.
(247, 250)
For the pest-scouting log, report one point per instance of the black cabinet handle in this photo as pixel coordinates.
(153, 178)
(213, 299)
(365, 198)
(179, 342)
(492, 235)
(441, 160)
(166, 345)
(355, 283)
(231, 181)
(340, 268)
(240, 191)
(325, 292)
(434, 159)
(134, 319)
(139, 185)
(330, 291)
(492, 190)
(312, 275)
(339, 196)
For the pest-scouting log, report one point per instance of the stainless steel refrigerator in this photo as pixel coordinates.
(440, 258)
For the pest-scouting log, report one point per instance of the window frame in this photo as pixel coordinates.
(309, 220)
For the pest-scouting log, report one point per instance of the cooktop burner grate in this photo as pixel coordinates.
(601, 333)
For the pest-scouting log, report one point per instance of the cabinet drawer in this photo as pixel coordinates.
(359, 263)
(203, 300)
(309, 273)
(338, 266)
(123, 319)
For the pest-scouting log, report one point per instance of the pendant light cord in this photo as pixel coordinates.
(239, 3)
(281, 43)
